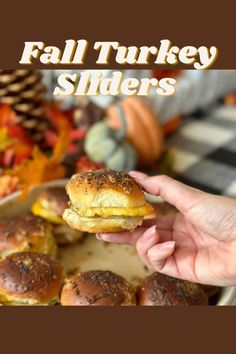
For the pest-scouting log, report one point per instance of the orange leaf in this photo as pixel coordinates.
(7, 115)
(42, 168)
(61, 145)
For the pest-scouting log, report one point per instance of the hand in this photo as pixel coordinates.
(198, 243)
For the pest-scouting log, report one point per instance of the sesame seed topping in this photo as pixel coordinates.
(103, 177)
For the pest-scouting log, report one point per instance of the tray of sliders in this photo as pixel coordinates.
(49, 254)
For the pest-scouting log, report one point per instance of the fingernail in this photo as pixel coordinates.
(150, 232)
(138, 175)
(167, 245)
(98, 236)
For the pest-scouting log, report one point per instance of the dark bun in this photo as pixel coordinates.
(30, 279)
(26, 232)
(97, 288)
(162, 290)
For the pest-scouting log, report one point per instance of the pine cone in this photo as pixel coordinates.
(24, 91)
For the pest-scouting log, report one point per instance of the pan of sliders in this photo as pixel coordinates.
(82, 256)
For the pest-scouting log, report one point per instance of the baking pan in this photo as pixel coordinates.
(93, 254)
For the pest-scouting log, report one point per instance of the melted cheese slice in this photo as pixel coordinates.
(46, 214)
(11, 300)
(106, 212)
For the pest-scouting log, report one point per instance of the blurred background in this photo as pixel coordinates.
(190, 135)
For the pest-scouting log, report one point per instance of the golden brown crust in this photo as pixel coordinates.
(97, 288)
(26, 276)
(104, 188)
(26, 232)
(162, 290)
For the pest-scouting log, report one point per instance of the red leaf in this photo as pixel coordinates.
(7, 115)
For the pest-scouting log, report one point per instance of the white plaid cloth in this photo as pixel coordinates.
(205, 151)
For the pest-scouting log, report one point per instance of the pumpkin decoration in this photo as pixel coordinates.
(143, 129)
(104, 145)
(230, 99)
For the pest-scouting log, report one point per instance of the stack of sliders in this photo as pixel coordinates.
(105, 201)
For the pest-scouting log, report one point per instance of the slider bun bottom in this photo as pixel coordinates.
(45, 245)
(99, 224)
(10, 300)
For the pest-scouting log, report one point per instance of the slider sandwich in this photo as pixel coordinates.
(105, 201)
(31, 279)
(97, 288)
(161, 290)
(50, 205)
(26, 233)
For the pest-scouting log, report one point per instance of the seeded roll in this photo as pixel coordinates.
(162, 290)
(50, 205)
(28, 278)
(26, 232)
(105, 201)
(97, 288)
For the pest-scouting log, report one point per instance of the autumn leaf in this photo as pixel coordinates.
(15, 144)
(5, 140)
(7, 115)
(42, 168)
(58, 118)
(62, 144)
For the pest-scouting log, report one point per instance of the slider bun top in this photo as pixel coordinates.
(26, 232)
(97, 288)
(161, 290)
(30, 279)
(51, 204)
(104, 188)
